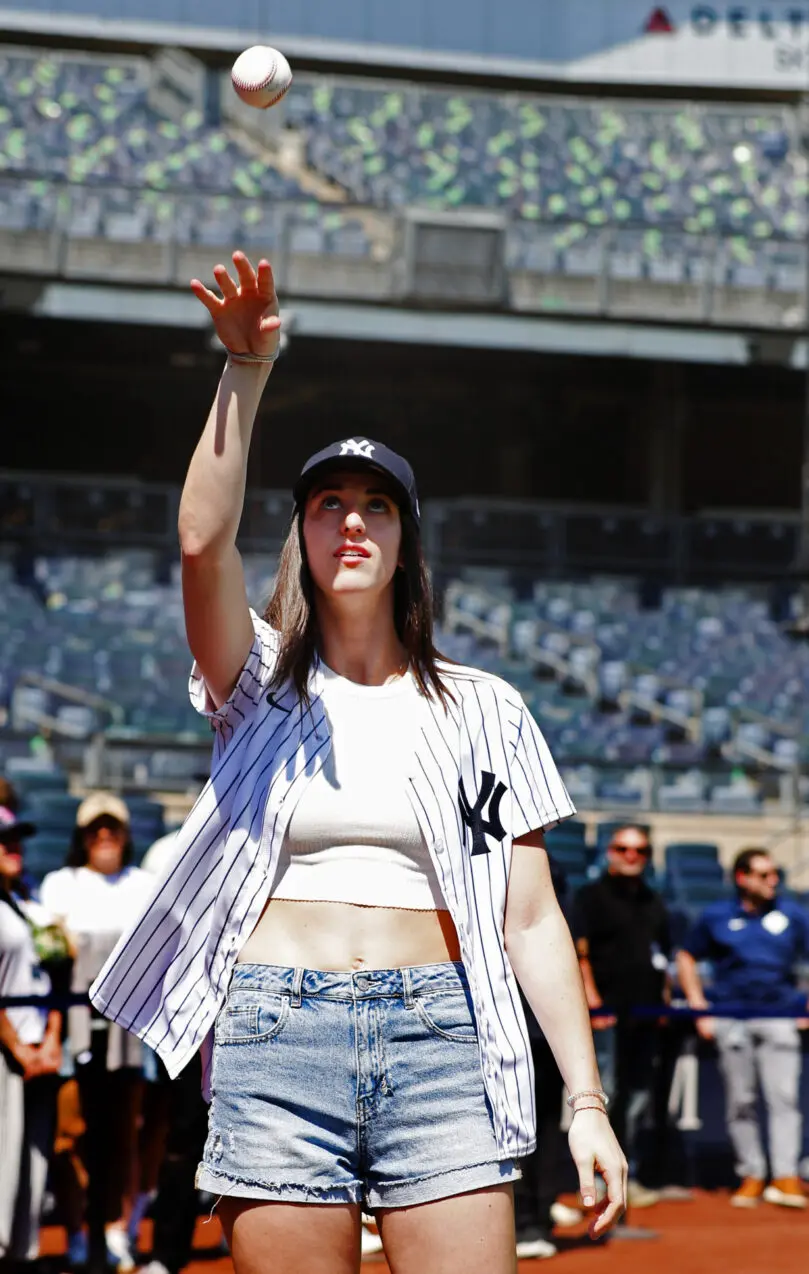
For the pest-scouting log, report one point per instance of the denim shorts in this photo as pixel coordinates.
(349, 1088)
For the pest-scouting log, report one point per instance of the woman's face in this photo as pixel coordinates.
(353, 535)
(104, 841)
(11, 862)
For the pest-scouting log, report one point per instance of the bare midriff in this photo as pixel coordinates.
(342, 936)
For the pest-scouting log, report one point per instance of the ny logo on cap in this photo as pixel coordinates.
(353, 447)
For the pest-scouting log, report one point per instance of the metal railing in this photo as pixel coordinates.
(526, 538)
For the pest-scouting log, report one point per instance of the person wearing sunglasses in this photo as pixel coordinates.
(621, 928)
(753, 943)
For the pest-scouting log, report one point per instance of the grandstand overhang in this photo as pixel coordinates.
(165, 307)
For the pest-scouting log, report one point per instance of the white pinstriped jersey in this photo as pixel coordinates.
(481, 777)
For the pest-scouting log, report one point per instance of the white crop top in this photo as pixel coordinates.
(353, 836)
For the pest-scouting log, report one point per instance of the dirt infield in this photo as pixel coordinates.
(704, 1236)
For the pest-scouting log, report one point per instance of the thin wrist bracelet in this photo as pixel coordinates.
(249, 358)
(602, 1110)
(588, 1092)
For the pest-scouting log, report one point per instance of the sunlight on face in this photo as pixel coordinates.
(353, 535)
(761, 880)
(11, 860)
(105, 840)
(629, 852)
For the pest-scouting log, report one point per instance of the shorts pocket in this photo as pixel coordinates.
(248, 1017)
(447, 1014)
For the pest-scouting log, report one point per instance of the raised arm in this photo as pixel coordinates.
(217, 617)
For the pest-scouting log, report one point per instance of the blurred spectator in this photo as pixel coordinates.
(96, 895)
(753, 944)
(30, 1055)
(535, 1193)
(621, 929)
(8, 796)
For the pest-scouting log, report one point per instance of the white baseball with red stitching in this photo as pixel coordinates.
(261, 76)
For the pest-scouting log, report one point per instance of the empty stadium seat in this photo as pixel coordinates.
(678, 852)
(45, 853)
(52, 812)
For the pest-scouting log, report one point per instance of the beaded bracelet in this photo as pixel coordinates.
(588, 1092)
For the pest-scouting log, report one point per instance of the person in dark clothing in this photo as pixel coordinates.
(174, 1211)
(536, 1191)
(621, 929)
(754, 943)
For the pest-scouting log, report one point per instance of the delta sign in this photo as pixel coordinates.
(750, 46)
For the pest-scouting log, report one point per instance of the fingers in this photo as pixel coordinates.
(615, 1203)
(587, 1185)
(270, 324)
(266, 282)
(226, 285)
(245, 271)
(209, 299)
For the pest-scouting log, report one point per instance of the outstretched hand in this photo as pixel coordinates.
(246, 315)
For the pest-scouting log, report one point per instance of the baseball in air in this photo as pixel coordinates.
(261, 76)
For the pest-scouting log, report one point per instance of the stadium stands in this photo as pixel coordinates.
(707, 688)
(558, 160)
(691, 706)
(692, 195)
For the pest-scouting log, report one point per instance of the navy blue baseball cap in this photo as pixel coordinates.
(361, 453)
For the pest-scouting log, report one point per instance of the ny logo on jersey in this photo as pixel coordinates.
(357, 447)
(491, 793)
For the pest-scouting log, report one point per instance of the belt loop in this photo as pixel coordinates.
(297, 982)
(407, 987)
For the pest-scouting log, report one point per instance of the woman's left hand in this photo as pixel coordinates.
(594, 1148)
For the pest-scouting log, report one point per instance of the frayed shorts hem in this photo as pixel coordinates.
(394, 1194)
(441, 1185)
(275, 1192)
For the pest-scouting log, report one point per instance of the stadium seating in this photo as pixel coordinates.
(87, 122)
(548, 159)
(680, 708)
(83, 147)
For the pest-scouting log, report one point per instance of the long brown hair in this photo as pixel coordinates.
(292, 613)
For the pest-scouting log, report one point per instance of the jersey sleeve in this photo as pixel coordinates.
(539, 797)
(251, 683)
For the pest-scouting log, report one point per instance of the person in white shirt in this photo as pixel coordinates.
(96, 896)
(361, 883)
(30, 1055)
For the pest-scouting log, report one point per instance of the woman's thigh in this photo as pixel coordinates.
(473, 1233)
(320, 1238)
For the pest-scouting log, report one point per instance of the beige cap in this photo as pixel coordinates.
(101, 805)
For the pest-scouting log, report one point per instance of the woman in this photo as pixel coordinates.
(96, 895)
(358, 883)
(30, 1055)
